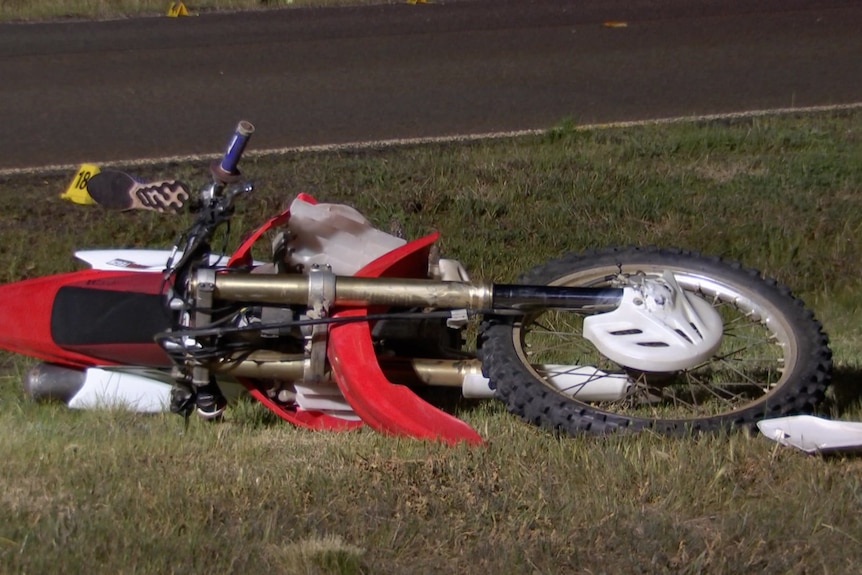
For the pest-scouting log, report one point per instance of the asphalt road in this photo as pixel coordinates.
(107, 91)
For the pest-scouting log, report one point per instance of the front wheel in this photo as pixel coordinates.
(773, 359)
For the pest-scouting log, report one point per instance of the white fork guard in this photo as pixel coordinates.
(583, 382)
(657, 328)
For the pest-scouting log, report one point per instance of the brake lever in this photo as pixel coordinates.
(238, 189)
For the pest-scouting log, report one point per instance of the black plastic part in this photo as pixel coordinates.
(559, 297)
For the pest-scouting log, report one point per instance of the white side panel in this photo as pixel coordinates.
(142, 392)
(134, 260)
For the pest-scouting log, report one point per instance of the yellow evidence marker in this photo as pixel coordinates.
(77, 190)
(177, 9)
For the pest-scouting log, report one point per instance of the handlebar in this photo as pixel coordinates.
(214, 206)
(226, 170)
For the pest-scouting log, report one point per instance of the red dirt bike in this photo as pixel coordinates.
(347, 324)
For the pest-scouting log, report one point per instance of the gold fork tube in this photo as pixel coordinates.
(289, 367)
(445, 372)
(355, 292)
(263, 364)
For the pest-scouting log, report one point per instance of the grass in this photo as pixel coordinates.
(116, 492)
(26, 10)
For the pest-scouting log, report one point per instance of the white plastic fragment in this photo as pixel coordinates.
(813, 434)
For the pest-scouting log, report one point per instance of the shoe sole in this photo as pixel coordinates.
(119, 191)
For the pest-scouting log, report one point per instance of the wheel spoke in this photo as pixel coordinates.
(758, 356)
(699, 390)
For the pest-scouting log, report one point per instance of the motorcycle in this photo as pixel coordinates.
(344, 324)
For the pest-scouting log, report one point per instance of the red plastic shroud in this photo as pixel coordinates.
(293, 414)
(383, 405)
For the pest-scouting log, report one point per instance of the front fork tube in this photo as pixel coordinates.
(322, 290)
(399, 292)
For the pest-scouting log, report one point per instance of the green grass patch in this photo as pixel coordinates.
(116, 492)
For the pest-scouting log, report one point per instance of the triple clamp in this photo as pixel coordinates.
(321, 295)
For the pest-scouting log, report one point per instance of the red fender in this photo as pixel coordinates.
(295, 415)
(383, 405)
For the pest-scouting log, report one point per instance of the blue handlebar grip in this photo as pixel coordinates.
(240, 138)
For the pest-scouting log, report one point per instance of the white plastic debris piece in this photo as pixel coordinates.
(324, 397)
(813, 434)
